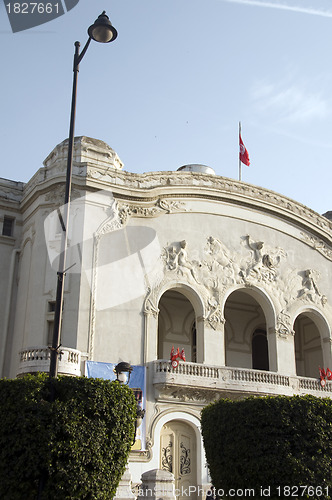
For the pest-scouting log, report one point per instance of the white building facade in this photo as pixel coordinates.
(235, 275)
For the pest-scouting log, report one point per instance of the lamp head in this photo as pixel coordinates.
(102, 30)
(123, 371)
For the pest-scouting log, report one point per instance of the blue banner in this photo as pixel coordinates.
(96, 369)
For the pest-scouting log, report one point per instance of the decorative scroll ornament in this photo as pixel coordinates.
(126, 211)
(214, 313)
(184, 460)
(171, 393)
(318, 245)
(167, 458)
(149, 305)
(112, 223)
(284, 326)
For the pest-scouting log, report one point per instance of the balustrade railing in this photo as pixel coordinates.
(192, 369)
(261, 377)
(235, 379)
(311, 384)
(37, 359)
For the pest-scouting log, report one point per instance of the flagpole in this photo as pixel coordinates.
(239, 152)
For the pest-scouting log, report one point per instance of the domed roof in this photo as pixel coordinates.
(196, 167)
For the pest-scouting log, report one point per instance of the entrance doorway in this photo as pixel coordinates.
(178, 455)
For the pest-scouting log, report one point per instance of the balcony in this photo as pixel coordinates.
(37, 359)
(203, 383)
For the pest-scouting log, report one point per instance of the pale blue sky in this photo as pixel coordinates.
(173, 86)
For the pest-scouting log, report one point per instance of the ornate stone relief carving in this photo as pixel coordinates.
(219, 268)
(149, 305)
(162, 206)
(214, 315)
(264, 263)
(310, 289)
(176, 259)
(112, 223)
(284, 326)
(223, 185)
(202, 273)
(57, 194)
(186, 394)
(318, 245)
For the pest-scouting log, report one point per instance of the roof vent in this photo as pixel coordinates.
(195, 167)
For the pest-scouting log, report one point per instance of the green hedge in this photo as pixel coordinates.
(80, 442)
(270, 442)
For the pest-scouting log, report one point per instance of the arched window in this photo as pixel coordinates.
(176, 325)
(308, 348)
(244, 315)
(260, 351)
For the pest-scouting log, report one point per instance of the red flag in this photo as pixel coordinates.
(244, 155)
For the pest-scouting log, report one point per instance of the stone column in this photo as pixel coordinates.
(214, 344)
(158, 485)
(286, 354)
(150, 336)
(124, 491)
(327, 352)
(272, 343)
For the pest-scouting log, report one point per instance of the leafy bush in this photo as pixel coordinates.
(79, 443)
(270, 442)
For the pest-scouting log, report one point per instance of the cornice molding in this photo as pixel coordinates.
(149, 187)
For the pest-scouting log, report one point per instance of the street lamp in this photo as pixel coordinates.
(123, 371)
(101, 31)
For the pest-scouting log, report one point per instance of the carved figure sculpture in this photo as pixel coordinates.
(177, 259)
(172, 258)
(265, 263)
(310, 289)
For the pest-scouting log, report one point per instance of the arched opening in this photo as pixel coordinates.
(308, 347)
(260, 350)
(178, 454)
(246, 343)
(176, 326)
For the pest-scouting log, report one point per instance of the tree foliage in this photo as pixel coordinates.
(272, 442)
(79, 444)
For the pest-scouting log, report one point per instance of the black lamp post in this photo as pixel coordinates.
(123, 371)
(101, 31)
